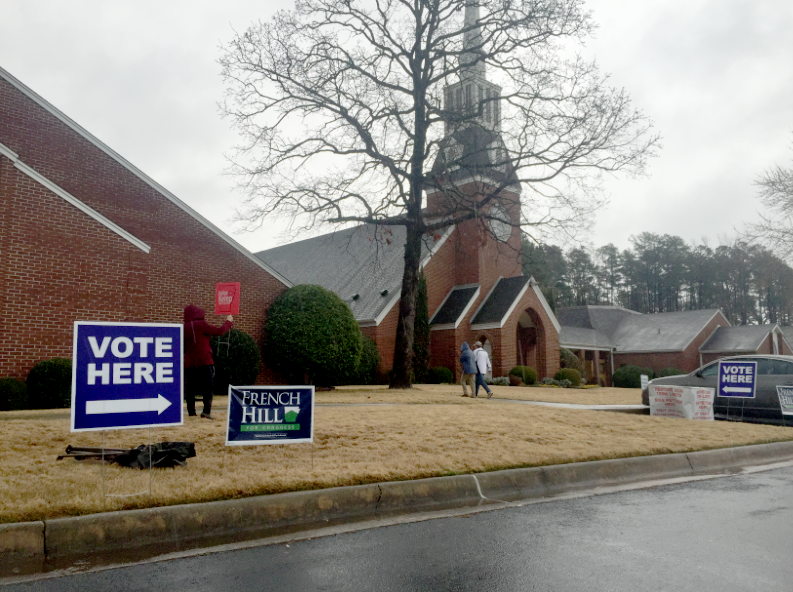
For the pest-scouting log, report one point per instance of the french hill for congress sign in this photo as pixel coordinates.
(270, 415)
(126, 375)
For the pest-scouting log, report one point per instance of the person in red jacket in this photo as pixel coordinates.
(199, 367)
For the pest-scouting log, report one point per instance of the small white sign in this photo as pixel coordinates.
(686, 402)
(645, 379)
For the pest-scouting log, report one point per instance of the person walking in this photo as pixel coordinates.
(483, 366)
(199, 366)
(468, 362)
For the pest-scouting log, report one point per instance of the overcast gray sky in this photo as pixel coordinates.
(714, 75)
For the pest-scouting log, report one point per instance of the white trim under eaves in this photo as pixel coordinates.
(438, 244)
(718, 311)
(65, 195)
(545, 305)
(586, 347)
(464, 312)
(140, 174)
(481, 304)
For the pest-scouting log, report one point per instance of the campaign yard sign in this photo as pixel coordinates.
(227, 298)
(785, 394)
(737, 379)
(270, 415)
(685, 402)
(126, 375)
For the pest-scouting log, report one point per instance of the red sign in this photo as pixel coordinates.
(227, 298)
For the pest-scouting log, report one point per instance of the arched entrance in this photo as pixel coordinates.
(531, 342)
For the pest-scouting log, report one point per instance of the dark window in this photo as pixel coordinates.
(711, 370)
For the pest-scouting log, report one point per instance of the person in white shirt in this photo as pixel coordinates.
(483, 366)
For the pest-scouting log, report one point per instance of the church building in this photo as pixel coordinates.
(475, 287)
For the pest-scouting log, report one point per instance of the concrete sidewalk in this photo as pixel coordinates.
(118, 537)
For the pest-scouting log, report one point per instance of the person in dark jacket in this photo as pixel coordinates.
(199, 366)
(468, 362)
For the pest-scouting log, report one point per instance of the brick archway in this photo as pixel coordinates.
(531, 342)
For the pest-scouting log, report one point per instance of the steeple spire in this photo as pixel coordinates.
(472, 41)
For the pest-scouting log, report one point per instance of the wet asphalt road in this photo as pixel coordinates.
(725, 534)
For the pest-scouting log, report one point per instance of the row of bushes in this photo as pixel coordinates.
(630, 376)
(517, 376)
(48, 386)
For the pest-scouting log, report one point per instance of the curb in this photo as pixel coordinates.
(133, 535)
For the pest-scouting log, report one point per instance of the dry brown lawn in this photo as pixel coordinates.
(450, 393)
(354, 444)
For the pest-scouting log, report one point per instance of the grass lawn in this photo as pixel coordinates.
(427, 431)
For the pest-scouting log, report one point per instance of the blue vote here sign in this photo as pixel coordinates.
(126, 375)
(737, 379)
(270, 415)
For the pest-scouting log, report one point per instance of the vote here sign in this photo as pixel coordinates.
(126, 375)
(737, 379)
(270, 415)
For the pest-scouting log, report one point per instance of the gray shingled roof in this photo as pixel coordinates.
(578, 337)
(364, 260)
(744, 338)
(458, 299)
(630, 331)
(605, 319)
(500, 300)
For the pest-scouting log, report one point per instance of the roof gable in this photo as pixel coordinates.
(742, 338)
(68, 122)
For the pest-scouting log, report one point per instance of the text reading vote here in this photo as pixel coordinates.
(737, 374)
(131, 372)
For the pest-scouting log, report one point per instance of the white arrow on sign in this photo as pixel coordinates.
(159, 405)
(736, 389)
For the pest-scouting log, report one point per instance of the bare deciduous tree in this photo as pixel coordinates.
(775, 228)
(354, 111)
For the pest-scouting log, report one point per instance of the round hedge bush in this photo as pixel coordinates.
(569, 360)
(630, 376)
(49, 384)
(440, 375)
(526, 373)
(571, 374)
(311, 331)
(237, 360)
(670, 372)
(13, 394)
(369, 366)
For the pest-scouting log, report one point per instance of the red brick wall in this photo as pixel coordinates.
(687, 360)
(508, 356)
(70, 267)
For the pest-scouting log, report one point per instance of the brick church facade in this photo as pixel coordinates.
(86, 236)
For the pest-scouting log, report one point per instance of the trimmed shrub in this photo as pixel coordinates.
(670, 372)
(568, 359)
(369, 366)
(630, 376)
(13, 394)
(569, 374)
(440, 375)
(311, 332)
(498, 381)
(237, 360)
(49, 384)
(526, 373)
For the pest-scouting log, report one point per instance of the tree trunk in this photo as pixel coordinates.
(403, 348)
